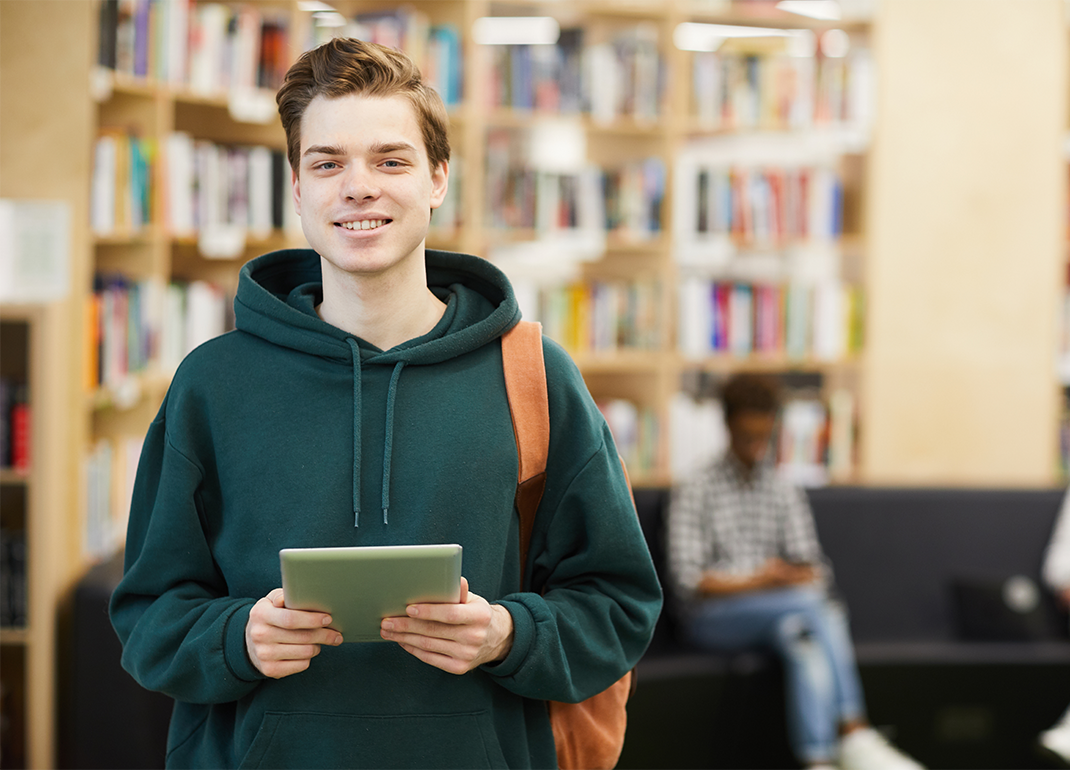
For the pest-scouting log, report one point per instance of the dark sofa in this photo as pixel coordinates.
(896, 553)
(950, 702)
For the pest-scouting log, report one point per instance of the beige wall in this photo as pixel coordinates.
(965, 242)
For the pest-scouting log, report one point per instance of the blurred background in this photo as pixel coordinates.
(866, 198)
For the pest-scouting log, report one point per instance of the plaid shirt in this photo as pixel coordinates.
(723, 521)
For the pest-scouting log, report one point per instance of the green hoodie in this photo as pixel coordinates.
(289, 432)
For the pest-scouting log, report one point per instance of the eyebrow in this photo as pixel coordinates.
(383, 148)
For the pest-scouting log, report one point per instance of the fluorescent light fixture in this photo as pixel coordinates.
(516, 30)
(828, 10)
(329, 19)
(313, 6)
(692, 36)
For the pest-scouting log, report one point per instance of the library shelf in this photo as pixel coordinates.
(15, 636)
(13, 477)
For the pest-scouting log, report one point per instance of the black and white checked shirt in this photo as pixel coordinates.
(721, 520)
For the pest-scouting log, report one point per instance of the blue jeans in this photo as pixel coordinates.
(809, 633)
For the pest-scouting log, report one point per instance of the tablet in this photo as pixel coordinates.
(361, 585)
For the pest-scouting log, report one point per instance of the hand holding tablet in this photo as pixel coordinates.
(359, 586)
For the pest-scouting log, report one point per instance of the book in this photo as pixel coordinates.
(21, 422)
(797, 320)
(7, 401)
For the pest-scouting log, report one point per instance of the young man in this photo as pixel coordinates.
(361, 401)
(748, 572)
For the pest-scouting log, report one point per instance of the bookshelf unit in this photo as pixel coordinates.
(45, 119)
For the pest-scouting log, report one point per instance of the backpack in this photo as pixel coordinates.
(587, 735)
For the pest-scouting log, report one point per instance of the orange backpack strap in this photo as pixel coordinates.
(525, 387)
(587, 735)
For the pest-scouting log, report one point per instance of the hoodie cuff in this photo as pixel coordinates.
(523, 641)
(235, 653)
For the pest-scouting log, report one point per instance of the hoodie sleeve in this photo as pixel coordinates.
(596, 594)
(181, 634)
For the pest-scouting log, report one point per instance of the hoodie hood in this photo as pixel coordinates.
(278, 293)
(277, 298)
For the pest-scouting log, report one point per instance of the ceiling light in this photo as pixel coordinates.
(516, 30)
(828, 10)
(691, 36)
(329, 19)
(313, 6)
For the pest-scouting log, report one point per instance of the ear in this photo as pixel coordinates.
(440, 182)
(295, 185)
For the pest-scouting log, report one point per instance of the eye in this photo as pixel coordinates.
(328, 165)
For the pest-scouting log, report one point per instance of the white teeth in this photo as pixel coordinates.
(364, 224)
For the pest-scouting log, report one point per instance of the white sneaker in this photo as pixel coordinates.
(866, 749)
(1057, 740)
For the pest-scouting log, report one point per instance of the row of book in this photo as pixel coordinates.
(109, 470)
(626, 199)
(764, 206)
(210, 48)
(823, 321)
(815, 440)
(211, 186)
(137, 327)
(603, 316)
(624, 77)
(123, 191)
(636, 432)
(735, 91)
(15, 420)
(435, 48)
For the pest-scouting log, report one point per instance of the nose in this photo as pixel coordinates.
(359, 183)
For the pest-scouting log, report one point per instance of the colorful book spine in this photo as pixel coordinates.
(636, 432)
(766, 207)
(797, 321)
(780, 92)
(211, 185)
(144, 326)
(122, 192)
(211, 48)
(603, 317)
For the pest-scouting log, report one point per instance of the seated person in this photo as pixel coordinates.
(748, 573)
(1056, 574)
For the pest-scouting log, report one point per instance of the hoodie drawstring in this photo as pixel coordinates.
(388, 447)
(355, 350)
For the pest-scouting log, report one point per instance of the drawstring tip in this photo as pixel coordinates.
(356, 518)
(384, 515)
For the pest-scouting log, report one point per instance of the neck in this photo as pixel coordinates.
(384, 310)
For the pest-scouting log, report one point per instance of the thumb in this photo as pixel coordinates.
(276, 598)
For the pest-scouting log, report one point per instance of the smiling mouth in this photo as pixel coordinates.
(364, 224)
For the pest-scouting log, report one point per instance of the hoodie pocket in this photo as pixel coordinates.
(464, 740)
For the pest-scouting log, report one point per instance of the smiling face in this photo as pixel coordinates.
(364, 186)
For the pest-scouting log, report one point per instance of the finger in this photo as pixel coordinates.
(464, 591)
(277, 669)
(276, 598)
(444, 662)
